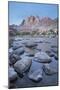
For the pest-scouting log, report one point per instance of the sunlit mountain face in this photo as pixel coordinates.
(35, 23)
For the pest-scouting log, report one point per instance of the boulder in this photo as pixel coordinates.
(38, 41)
(19, 51)
(10, 41)
(26, 55)
(29, 52)
(56, 56)
(54, 46)
(10, 53)
(17, 57)
(17, 45)
(36, 71)
(12, 75)
(52, 54)
(10, 50)
(30, 44)
(43, 47)
(42, 57)
(8, 61)
(55, 50)
(22, 65)
(14, 58)
(51, 68)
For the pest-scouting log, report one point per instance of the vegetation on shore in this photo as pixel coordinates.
(35, 33)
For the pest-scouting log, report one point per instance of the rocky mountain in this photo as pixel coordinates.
(35, 23)
(35, 20)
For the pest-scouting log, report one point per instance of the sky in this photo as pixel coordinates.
(19, 11)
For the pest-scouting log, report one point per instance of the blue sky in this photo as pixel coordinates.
(19, 11)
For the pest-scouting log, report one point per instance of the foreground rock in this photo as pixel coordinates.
(36, 71)
(22, 65)
(42, 57)
(19, 51)
(14, 58)
(12, 75)
(51, 68)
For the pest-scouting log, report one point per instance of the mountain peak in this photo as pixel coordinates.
(32, 23)
(36, 20)
(31, 20)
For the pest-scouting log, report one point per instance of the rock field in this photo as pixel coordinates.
(33, 62)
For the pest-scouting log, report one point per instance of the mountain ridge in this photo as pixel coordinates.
(35, 23)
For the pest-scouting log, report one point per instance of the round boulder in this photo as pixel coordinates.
(42, 57)
(22, 65)
(36, 71)
(12, 75)
(51, 68)
(17, 45)
(14, 58)
(19, 51)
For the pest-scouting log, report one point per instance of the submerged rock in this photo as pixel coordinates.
(42, 57)
(12, 75)
(36, 71)
(51, 68)
(22, 65)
